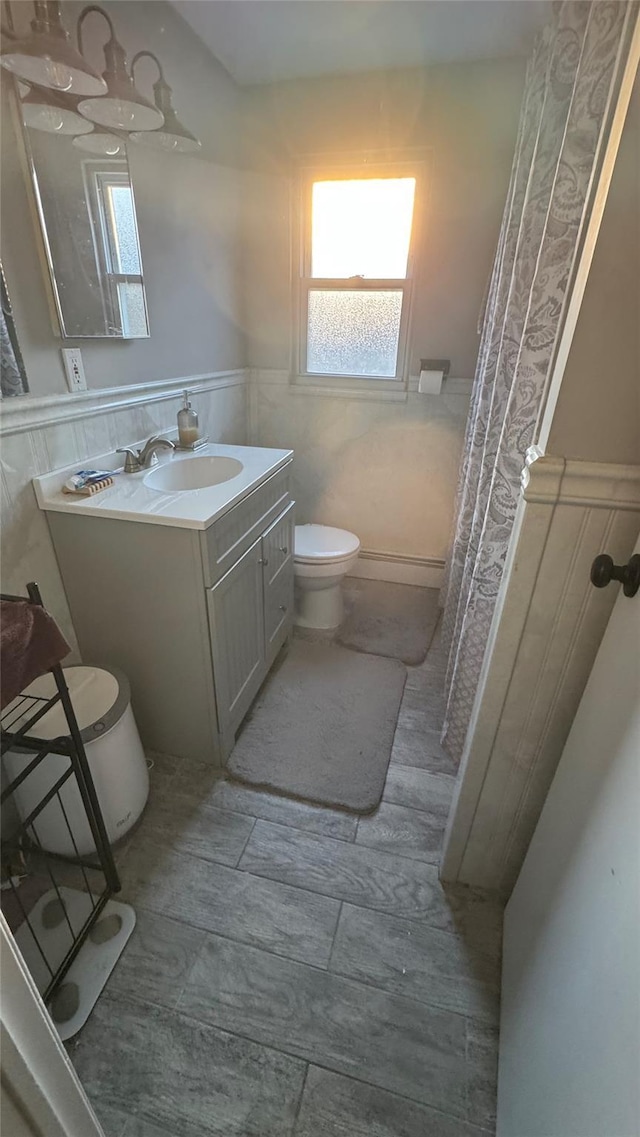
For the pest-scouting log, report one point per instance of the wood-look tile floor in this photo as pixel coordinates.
(299, 972)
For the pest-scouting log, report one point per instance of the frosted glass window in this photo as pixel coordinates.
(124, 234)
(353, 332)
(355, 283)
(361, 228)
(132, 309)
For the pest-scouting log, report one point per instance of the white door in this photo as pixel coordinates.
(40, 1092)
(570, 1026)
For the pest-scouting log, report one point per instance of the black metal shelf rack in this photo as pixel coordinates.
(23, 849)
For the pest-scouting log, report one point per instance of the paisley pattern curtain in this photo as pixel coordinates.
(569, 83)
(13, 380)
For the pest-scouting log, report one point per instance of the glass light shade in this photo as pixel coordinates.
(123, 107)
(47, 58)
(100, 142)
(42, 113)
(117, 112)
(173, 137)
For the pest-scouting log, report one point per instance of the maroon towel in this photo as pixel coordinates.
(30, 643)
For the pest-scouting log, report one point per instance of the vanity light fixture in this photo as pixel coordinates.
(122, 107)
(41, 110)
(46, 56)
(100, 142)
(173, 136)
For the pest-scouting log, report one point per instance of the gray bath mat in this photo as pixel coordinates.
(396, 620)
(323, 726)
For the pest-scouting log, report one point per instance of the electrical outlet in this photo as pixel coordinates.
(72, 360)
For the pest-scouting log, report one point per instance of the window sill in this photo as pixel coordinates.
(336, 386)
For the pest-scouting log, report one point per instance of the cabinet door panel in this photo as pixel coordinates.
(236, 617)
(277, 554)
(277, 545)
(278, 613)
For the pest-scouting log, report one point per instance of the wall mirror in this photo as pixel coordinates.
(75, 123)
(86, 207)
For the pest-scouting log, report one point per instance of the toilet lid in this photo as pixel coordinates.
(323, 543)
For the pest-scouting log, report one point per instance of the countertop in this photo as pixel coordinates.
(131, 500)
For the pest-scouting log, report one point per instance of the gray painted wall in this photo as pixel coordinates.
(597, 416)
(386, 471)
(462, 118)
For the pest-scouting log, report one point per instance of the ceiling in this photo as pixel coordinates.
(261, 41)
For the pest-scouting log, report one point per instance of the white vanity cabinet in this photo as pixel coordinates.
(250, 612)
(195, 617)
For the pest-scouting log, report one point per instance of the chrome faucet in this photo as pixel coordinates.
(137, 460)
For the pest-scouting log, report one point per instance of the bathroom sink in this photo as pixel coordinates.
(193, 473)
(190, 491)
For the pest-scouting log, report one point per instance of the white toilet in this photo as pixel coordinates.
(322, 557)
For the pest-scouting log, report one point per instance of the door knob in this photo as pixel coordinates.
(603, 571)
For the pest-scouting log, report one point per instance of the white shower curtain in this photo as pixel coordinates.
(570, 80)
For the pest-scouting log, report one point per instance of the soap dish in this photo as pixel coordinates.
(192, 445)
(89, 489)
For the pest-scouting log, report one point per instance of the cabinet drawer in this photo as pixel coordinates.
(224, 542)
(277, 544)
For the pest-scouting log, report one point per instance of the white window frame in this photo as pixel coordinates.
(304, 282)
(104, 181)
(99, 175)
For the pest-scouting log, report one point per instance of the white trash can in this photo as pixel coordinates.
(101, 699)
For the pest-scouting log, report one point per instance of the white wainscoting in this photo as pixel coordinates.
(28, 412)
(545, 634)
(41, 434)
(382, 464)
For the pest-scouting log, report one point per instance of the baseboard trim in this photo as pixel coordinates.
(428, 572)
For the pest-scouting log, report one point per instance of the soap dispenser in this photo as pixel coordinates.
(188, 429)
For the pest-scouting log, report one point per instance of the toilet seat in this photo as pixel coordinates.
(323, 545)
